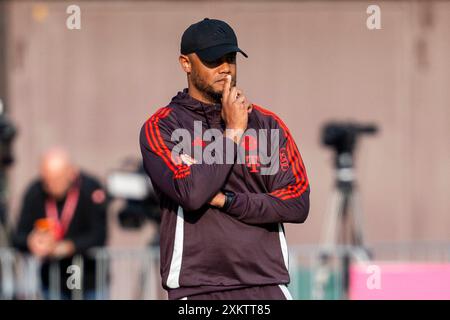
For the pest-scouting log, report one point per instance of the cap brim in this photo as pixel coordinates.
(213, 53)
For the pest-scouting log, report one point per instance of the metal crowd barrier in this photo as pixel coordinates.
(133, 273)
(129, 273)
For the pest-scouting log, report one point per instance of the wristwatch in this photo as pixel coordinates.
(229, 197)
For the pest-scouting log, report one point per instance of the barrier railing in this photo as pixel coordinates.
(133, 273)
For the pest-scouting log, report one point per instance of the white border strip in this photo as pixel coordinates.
(285, 291)
(284, 248)
(173, 280)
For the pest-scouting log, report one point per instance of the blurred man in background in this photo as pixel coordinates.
(63, 214)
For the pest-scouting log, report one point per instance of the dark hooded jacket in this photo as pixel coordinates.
(206, 249)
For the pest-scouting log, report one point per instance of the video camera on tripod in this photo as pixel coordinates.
(342, 137)
(343, 230)
(141, 201)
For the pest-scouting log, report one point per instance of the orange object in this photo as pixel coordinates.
(44, 224)
(48, 225)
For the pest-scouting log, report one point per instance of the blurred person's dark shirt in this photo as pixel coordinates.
(87, 228)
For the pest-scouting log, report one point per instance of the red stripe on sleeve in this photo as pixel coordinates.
(295, 160)
(152, 139)
(158, 146)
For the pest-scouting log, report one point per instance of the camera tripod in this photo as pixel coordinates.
(343, 231)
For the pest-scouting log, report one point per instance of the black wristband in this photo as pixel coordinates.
(229, 197)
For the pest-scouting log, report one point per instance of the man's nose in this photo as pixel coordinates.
(225, 68)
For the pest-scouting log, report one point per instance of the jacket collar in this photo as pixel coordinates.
(211, 112)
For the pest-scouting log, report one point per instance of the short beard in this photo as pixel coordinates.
(206, 89)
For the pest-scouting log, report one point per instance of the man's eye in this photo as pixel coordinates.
(231, 59)
(214, 64)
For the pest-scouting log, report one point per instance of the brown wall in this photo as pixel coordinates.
(91, 89)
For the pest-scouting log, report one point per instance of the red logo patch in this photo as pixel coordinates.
(252, 161)
(249, 143)
(98, 196)
(284, 162)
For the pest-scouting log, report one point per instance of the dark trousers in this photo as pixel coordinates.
(271, 292)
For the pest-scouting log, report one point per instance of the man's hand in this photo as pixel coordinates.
(41, 243)
(218, 200)
(63, 249)
(235, 110)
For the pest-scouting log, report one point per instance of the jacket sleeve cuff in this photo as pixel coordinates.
(238, 206)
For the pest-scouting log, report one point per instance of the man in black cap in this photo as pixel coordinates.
(222, 234)
(204, 47)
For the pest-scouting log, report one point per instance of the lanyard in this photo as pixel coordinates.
(62, 224)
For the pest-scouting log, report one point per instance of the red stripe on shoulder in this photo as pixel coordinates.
(158, 146)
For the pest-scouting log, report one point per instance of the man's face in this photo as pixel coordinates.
(209, 77)
(57, 178)
(56, 185)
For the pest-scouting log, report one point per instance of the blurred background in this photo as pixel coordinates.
(312, 62)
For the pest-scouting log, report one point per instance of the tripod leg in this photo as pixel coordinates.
(358, 224)
(332, 220)
(324, 268)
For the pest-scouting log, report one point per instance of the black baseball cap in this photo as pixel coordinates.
(210, 39)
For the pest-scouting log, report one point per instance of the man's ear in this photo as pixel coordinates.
(185, 63)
